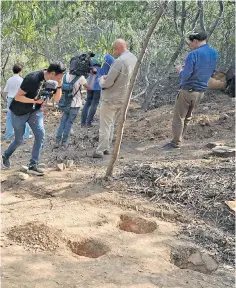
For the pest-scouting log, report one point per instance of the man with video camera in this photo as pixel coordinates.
(26, 108)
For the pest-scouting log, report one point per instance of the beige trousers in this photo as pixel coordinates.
(108, 116)
(185, 103)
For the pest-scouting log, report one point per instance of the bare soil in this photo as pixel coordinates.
(72, 228)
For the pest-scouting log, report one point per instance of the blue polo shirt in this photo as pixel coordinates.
(200, 65)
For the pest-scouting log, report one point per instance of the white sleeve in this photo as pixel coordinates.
(6, 87)
(82, 80)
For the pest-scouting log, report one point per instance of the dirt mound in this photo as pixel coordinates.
(88, 248)
(136, 224)
(214, 118)
(192, 258)
(37, 236)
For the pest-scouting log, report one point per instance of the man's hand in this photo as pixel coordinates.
(94, 71)
(40, 101)
(60, 82)
(179, 68)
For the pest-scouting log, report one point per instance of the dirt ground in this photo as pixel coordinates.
(72, 229)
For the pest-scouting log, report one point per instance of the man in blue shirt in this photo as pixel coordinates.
(93, 96)
(200, 65)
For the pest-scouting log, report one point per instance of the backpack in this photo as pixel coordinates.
(79, 65)
(67, 94)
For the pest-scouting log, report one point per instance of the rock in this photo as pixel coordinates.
(3, 178)
(192, 258)
(72, 132)
(42, 165)
(205, 123)
(210, 263)
(202, 262)
(61, 167)
(223, 151)
(23, 176)
(69, 163)
(224, 117)
(23, 168)
(212, 145)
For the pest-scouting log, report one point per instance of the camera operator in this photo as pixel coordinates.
(26, 108)
(69, 115)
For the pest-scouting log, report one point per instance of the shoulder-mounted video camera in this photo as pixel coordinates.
(48, 89)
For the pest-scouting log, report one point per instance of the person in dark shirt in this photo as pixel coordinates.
(200, 65)
(25, 109)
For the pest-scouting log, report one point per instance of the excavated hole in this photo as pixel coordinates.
(88, 248)
(136, 224)
(191, 258)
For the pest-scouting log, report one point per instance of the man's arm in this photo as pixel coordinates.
(5, 90)
(113, 74)
(187, 71)
(20, 97)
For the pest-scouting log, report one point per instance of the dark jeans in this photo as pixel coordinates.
(90, 107)
(35, 121)
(67, 121)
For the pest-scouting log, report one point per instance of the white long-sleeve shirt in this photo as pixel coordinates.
(13, 85)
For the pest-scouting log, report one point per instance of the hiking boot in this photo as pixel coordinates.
(34, 170)
(5, 162)
(170, 146)
(106, 152)
(97, 155)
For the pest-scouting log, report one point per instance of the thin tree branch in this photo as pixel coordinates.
(201, 19)
(175, 19)
(183, 18)
(212, 28)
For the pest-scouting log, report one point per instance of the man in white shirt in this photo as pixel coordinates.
(68, 117)
(10, 90)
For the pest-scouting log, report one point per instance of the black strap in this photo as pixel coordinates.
(73, 82)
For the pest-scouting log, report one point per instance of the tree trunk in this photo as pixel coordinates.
(129, 92)
(151, 90)
(5, 64)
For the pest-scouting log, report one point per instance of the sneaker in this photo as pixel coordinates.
(65, 145)
(97, 155)
(106, 152)
(34, 170)
(57, 144)
(170, 146)
(5, 162)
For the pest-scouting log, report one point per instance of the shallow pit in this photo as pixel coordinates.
(88, 248)
(136, 225)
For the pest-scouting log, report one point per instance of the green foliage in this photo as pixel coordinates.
(36, 32)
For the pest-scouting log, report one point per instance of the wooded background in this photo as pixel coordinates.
(37, 32)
